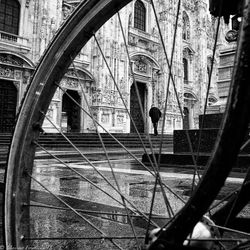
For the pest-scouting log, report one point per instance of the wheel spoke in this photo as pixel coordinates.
(107, 157)
(104, 178)
(170, 211)
(144, 119)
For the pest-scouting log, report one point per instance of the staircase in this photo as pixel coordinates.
(91, 142)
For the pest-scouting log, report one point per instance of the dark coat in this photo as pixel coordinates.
(155, 114)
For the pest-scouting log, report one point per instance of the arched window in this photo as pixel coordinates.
(186, 27)
(140, 16)
(9, 16)
(185, 69)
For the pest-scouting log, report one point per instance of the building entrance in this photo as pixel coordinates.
(8, 102)
(72, 110)
(135, 107)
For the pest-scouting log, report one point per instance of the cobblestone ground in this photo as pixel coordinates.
(137, 185)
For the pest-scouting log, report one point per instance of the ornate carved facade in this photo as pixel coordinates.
(89, 80)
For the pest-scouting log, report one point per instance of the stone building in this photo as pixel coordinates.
(27, 27)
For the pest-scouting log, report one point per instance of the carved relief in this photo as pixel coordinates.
(121, 101)
(140, 66)
(27, 3)
(187, 53)
(189, 4)
(97, 97)
(155, 73)
(10, 59)
(66, 9)
(163, 16)
(121, 85)
(43, 28)
(105, 117)
(53, 27)
(162, 3)
(155, 32)
(108, 82)
(132, 40)
(107, 97)
(120, 119)
(18, 74)
(7, 72)
(160, 97)
(72, 72)
(152, 47)
(94, 112)
(70, 83)
(231, 36)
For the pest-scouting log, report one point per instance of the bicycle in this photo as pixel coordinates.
(60, 54)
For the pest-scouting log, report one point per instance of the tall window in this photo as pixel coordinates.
(185, 69)
(186, 27)
(9, 16)
(140, 16)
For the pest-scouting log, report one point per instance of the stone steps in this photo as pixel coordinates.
(90, 142)
(94, 156)
(50, 139)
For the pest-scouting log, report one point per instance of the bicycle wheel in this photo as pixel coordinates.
(20, 176)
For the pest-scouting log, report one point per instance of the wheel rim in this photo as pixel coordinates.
(23, 147)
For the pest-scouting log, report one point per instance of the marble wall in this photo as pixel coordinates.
(40, 20)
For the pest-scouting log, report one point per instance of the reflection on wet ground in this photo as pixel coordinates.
(98, 213)
(136, 185)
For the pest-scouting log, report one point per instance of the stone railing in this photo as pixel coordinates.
(143, 39)
(14, 40)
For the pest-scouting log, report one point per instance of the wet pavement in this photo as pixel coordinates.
(82, 193)
(102, 211)
(98, 207)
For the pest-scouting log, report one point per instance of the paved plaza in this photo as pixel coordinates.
(75, 182)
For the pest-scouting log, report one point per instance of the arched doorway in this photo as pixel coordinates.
(135, 111)
(186, 118)
(8, 102)
(72, 110)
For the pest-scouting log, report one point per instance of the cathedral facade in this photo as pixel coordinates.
(103, 80)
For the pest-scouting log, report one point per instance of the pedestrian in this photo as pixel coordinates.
(155, 115)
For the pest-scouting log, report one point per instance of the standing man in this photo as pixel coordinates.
(155, 115)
